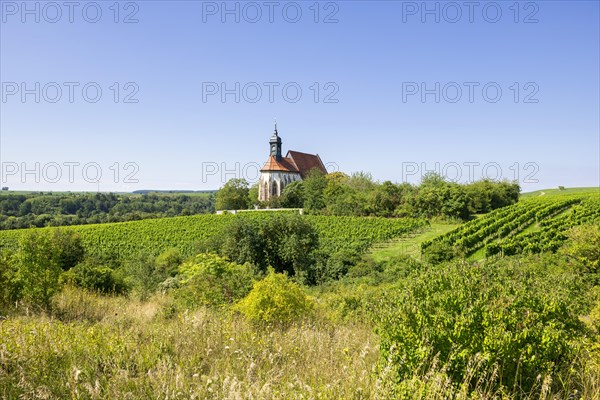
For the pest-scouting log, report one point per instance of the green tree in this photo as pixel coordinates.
(293, 195)
(284, 242)
(387, 199)
(253, 195)
(38, 268)
(339, 197)
(167, 263)
(234, 195)
(314, 185)
(68, 248)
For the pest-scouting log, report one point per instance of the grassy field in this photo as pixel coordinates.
(96, 347)
(409, 245)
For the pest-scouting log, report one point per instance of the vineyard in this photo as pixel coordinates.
(128, 239)
(530, 226)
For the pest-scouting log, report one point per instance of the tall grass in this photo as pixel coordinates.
(100, 347)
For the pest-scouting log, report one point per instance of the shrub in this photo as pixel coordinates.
(284, 242)
(333, 266)
(275, 300)
(94, 277)
(211, 280)
(68, 249)
(584, 247)
(439, 252)
(519, 316)
(141, 275)
(168, 262)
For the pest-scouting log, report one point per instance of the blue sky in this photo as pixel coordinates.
(395, 88)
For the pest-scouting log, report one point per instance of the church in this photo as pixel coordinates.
(278, 171)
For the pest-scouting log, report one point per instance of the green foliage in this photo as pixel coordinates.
(436, 197)
(211, 280)
(314, 185)
(9, 288)
(284, 242)
(519, 316)
(38, 268)
(18, 211)
(331, 266)
(68, 249)
(507, 230)
(93, 276)
(117, 244)
(438, 252)
(583, 245)
(168, 262)
(486, 195)
(141, 275)
(293, 195)
(32, 274)
(358, 195)
(387, 198)
(234, 195)
(253, 195)
(275, 300)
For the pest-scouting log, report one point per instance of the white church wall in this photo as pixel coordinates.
(272, 183)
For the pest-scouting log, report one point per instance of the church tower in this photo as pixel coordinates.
(275, 144)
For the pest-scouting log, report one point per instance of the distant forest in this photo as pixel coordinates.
(29, 210)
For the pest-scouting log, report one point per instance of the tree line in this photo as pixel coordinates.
(18, 211)
(359, 195)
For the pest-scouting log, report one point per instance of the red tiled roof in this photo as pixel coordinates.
(305, 162)
(285, 164)
(295, 161)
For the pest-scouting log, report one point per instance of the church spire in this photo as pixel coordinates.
(275, 144)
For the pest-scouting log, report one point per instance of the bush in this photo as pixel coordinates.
(438, 252)
(140, 275)
(584, 247)
(94, 277)
(68, 249)
(211, 280)
(168, 262)
(275, 300)
(335, 265)
(284, 242)
(521, 317)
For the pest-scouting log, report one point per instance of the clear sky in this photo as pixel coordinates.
(189, 90)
